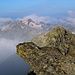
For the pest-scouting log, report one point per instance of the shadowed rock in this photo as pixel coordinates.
(51, 54)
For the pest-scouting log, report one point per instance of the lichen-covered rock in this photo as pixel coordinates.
(58, 37)
(50, 54)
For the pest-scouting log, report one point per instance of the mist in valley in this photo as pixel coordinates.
(10, 62)
(7, 48)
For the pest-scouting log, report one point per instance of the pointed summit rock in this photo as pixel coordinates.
(50, 54)
(59, 38)
(27, 21)
(32, 24)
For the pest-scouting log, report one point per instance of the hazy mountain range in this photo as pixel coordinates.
(47, 19)
(27, 29)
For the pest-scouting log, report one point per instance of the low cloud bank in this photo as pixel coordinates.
(7, 48)
(73, 32)
(5, 19)
(47, 19)
(52, 20)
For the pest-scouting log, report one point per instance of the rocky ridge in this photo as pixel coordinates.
(50, 54)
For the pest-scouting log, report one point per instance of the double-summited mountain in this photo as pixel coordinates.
(50, 54)
(26, 29)
(18, 30)
(40, 25)
(44, 26)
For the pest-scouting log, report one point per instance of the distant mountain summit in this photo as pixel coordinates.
(44, 26)
(18, 30)
(27, 21)
(32, 24)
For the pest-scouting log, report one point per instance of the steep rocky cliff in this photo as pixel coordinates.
(50, 54)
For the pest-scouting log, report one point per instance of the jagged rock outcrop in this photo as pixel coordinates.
(58, 37)
(32, 24)
(50, 54)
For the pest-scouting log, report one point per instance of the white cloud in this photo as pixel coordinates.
(71, 20)
(52, 20)
(71, 13)
(5, 19)
(73, 32)
(45, 19)
(7, 48)
(67, 20)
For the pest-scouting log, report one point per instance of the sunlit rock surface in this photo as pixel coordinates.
(50, 54)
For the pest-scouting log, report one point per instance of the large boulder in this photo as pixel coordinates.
(58, 37)
(50, 54)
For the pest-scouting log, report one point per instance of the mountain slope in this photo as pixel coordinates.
(19, 30)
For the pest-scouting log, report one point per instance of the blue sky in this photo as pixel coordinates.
(22, 8)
